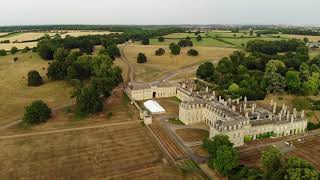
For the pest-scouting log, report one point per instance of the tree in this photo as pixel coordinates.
(73, 56)
(304, 71)
(311, 86)
(161, 39)
(226, 159)
(199, 38)
(160, 52)
(175, 49)
(185, 42)
(3, 52)
(145, 41)
(205, 70)
(86, 46)
(193, 52)
(26, 49)
(272, 80)
(300, 169)
(305, 40)
(141, 58)
(234, 88)
(293, 81)
(45, 50)
(57, 70)
(212, 146)
(34, 78)
(271, 161)
(14, 50)
(251, 32)
(37, 112)
(113, 51)
(60, 54)
(88, 100)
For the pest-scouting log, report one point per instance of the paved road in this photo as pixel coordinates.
(67, 130)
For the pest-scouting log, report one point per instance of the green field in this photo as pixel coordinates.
(239, 41)
(11, 35)
(182, 35)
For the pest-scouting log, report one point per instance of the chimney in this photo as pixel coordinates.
(288, 114)
(258, 117)
(274, 107)
(246, 115)
(233, 108)
(271, 102)
(302, 114)
(207, 89)
(295, 113)
(213, 93)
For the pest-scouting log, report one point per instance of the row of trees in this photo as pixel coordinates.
(255, 74)
(225, 159)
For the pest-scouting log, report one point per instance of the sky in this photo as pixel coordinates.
(143, 12)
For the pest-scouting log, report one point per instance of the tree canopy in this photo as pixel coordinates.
(36, 113)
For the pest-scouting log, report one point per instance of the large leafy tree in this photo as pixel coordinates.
(37, 112)
(311, 86)
(34, 78)
(60, 54)
(273, 81)
(141, 58)
(212, 146)
(226, 159)
(206, 70)
(272, 163)
(300, 169)
(175, 49)
(88, 100)
(293, 81)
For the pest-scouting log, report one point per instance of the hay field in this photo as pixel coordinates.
(8, 46)
(314, 52)
(15, 94)
(182, 35)
(84, 33)
(291, 36)
(27, 36)
(170, 62)
(207, 42)
(117, 151)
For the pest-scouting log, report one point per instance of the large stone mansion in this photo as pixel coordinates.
(235, 118)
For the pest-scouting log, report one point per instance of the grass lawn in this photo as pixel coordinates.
(15, 94)
(207, 42)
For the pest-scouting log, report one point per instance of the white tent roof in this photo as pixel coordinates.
(153, 107)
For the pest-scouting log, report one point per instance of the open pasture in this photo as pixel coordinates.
(117, 151)
(15, 94)
(206, 42)
(239, 41)
(171, 62)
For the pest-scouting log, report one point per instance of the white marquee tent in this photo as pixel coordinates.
(154, 107)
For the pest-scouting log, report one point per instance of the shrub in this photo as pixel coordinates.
(161, 39)
(3, 52)
(14, 50)
(160, 52)
(145, 41)
(141, 58)
(34, 78)
(175, 49)
(36, 113)
(301, 103)
(199, 38)
(193, 52)
(26, 49)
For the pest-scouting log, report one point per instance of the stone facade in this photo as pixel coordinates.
(238, 120)
(140, 92)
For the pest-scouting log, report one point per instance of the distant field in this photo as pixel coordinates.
(182, 35)
(15, 94)
(208, 42)
(290, 36)
(26, 36)
(169, 61)
(239, 41)
(229, 34)
(84, 33)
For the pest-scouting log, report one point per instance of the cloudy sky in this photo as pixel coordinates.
(25, 12)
